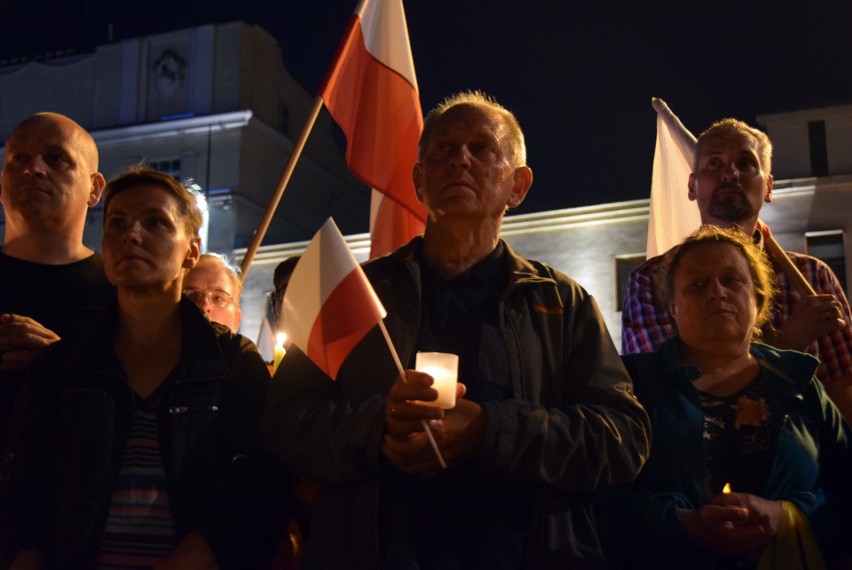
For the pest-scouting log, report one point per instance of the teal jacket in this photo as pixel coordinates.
(572, 427)
(812, 466)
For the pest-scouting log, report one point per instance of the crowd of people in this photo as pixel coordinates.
(141, 430)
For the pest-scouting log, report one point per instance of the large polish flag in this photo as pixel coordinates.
(372, 93)
(673, 216)
(329, 305)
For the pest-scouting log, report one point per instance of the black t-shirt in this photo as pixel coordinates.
(63, 298)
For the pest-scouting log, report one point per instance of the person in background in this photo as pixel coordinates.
(280, 280)
(730, 182)
(214, 285)
(51, 284)
(548, 418)
(726, 409)
(305, 492)
(138, 444)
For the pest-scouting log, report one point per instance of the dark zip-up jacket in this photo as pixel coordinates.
(70, 427)
(571, 428)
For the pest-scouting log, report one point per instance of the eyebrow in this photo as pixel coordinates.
(150, 211)
(740, 153)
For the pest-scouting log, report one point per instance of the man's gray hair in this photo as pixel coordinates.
(477, 99)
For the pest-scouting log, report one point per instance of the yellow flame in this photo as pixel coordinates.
(280, 339)
(726, 489)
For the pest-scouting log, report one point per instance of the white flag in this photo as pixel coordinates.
(673, 216)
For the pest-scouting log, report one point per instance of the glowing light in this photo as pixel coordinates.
(280, 339)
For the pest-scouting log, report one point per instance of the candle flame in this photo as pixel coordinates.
(726, 490)
(280, 339)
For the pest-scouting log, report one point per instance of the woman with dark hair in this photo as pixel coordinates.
(139, 446)
(750, 461)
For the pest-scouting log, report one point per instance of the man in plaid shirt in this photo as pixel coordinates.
(730, 182)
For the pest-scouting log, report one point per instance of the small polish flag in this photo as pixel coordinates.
(329, 305)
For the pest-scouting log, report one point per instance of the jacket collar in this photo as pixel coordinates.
(201, 355)
(787, 368)
(521, 270)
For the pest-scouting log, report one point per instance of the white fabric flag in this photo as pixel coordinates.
(673, 216)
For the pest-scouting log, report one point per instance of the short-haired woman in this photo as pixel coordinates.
(726, 410)
(139, 445)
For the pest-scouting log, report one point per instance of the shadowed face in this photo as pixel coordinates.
(730, 184)
(466, 167)
(714, 297)
(50, 171)
(211, 287)
(146, 244)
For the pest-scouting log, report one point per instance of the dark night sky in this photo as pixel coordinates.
(579, 76)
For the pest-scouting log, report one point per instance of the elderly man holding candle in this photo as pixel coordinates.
(751, 462)
(545, 415)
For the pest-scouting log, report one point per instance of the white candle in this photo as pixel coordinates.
(443, 368)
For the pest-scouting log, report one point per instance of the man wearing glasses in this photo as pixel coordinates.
(213, 285)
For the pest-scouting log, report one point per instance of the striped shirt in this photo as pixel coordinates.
(140, 531)
(646, 322)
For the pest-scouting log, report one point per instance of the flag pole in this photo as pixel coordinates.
(673, 122)
(260, 232)
(272, 206)
(402, 375)
(797, 280)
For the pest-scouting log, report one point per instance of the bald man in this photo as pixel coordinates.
(50, 283)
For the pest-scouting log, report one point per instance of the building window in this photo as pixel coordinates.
(624, 264)
(818, 148)
(170, 166)
(828, 246)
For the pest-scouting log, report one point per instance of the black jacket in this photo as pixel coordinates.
(572, 427)
(69, 429)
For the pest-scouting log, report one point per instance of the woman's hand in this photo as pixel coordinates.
(723, 529)
(763, 514)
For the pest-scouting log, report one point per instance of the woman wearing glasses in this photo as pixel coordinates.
(139, 446)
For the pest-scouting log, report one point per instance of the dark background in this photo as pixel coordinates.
(579, 76)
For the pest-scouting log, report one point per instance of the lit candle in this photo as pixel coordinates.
(443, 368)
(280, 339)
(726, 490)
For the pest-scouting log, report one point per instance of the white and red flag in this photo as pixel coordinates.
(371, 92)
(673, 216)
(329, 305)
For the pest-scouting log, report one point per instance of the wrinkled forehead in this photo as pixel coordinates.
(471, 119)
(727, 143)
(712, 255)
(143, 198)
(40, 134)
(211, 275)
